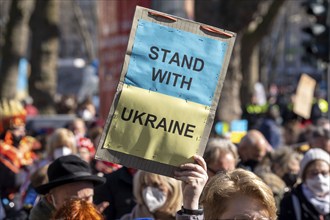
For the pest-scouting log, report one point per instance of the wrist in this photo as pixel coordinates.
(191, 211)
(192, 204)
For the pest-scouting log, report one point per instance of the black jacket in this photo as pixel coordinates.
(308, 212)
(118, 191)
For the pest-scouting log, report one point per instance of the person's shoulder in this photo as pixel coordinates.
(295, 192)
(287, 197)
(42, 210)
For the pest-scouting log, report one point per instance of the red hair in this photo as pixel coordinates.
(78, 209)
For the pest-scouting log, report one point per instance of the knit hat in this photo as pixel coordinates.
(312, 155)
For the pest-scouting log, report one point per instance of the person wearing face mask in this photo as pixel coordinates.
(252, 149)
(62, 143)
(285, 164)
(87, 110)
(157, 197)
(311, 199)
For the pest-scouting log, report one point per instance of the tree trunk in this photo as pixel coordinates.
(233, 15)
(251, 38)
(44, 54)
(16, 40)
(229, 107)
(236, 15)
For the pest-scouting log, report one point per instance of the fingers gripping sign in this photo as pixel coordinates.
(194, 178)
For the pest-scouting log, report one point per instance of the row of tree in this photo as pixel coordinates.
(251, 20)
(40, 19)
(248, 19)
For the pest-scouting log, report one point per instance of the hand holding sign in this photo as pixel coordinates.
(194, 178)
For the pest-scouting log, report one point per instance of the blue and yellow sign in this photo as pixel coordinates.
(168, 95)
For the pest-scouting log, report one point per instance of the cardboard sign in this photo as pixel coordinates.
(304, 97)
(167, 96)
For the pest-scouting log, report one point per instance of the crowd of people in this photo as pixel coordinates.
(272, 173)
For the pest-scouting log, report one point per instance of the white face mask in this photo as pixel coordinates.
(319, 185)
(154, 198)
(86, 115)
(59, 152)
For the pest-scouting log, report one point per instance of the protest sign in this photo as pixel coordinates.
(235, 131)
(168, 92)
(238, 130)
(303, 101)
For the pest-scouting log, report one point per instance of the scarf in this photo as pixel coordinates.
(321, 204)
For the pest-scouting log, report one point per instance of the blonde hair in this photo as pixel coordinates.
(217, 146)
(77, 209)
(222, 187)
(143, 179)
(61, 137)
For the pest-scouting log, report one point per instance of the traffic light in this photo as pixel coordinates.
(317, 46)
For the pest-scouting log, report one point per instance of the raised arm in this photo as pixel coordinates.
(194, 178)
